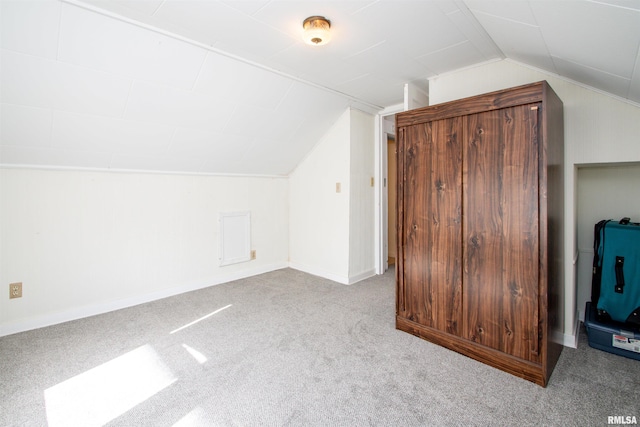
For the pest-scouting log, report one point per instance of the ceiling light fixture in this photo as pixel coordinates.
(316, 30)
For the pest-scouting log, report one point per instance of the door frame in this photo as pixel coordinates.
(381, 194)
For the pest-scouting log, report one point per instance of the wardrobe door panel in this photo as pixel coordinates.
(431, 225)
(500, 199)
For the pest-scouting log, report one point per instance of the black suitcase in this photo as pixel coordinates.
(615, 285)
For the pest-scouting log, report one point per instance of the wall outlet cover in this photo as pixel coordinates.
(15, 290)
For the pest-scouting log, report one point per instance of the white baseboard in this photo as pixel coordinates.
(345, 280)
(567, 340)
(319, 272)
(362, 276)
(107, 306)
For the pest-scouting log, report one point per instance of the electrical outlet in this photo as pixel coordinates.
(253, 254)
(15, 290)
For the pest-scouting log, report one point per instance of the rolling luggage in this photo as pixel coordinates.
(615, 286)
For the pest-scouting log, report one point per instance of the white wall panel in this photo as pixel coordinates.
(216, 73)
(108, 44)
(38, 82)
(88, 242)
(591, 76)
(591, 33)
(259, 87)
(216, 23)
(88, 132)
(304, 102)
(25, 80)
(88, 91)
(331, 232)
(318, 215)
(455, 56)
(54, 157)
(25, 126)
(154, 103)
(385, 94)
(195, 142)
(30, 26)
(259, 122)
(519, 39)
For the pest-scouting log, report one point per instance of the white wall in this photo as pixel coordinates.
(318, 215)
(362, 205)
(331, 234)
(598, 129)
(87, 242)
(83, 242)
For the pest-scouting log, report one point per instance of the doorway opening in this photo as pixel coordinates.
(385, 134)
(416, 95)
(392, 173)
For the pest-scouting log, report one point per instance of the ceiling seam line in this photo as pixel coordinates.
(58, 35)
(589, 67)
(526, 24)
(197, 79)
(615, 5)
(462, 7)
(158, 8)
(635, 71)
(218, 51)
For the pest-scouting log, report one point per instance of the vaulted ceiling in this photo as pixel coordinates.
(213, 86)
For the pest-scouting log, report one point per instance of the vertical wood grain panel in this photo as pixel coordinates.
(482, 224)
(501, 228)
(417, 283)
(432, 224)
(521, 230)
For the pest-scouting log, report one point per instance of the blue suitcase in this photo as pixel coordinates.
(615, 289)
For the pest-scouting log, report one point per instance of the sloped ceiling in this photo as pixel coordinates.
(212, 86)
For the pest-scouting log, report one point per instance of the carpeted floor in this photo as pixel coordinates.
(286, 348)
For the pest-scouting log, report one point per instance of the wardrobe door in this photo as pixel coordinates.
(501, 239)
(430, 224)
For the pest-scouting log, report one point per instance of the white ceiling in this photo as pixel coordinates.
(213, 86)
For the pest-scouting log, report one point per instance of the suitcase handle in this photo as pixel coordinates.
(619, 287)
(625, 220)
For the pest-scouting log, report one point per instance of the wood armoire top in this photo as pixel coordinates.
(525, 94)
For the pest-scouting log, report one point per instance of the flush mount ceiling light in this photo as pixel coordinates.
(316, 30)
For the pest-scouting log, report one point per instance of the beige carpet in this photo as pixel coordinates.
(286, 348)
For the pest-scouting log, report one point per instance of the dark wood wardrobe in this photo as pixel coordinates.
(480, 227)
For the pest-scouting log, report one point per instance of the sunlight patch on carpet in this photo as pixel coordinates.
(105, 392)
(201, 358)
(199, 320)
(196, 417)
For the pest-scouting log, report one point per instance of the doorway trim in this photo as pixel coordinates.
(381, 194)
